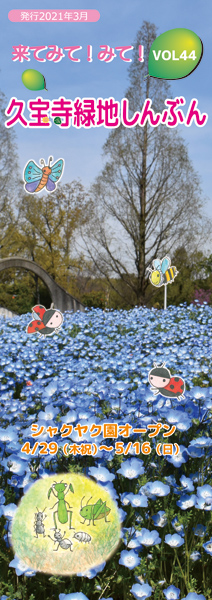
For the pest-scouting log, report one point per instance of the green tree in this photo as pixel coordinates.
(19, 291)
(48, 226)
(147, 198)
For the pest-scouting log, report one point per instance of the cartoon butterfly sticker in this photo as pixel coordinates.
(37, 178)
(50, 320)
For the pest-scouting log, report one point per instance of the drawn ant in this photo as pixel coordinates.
(38, 524)
(64, 543)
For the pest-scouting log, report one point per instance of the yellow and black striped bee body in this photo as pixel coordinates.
(170, 274)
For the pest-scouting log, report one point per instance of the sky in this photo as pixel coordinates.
(118, 24)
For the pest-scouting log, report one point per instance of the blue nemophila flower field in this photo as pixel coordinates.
(95, 372)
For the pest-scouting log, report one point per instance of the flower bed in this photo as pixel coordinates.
(95, 371)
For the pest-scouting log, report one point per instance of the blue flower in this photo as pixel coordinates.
(140, 592)
(131, 468)
(205, 491)
(194, 596)
(130, 538)
(15, 464)
(129, 559)
(133, 544)
(157, 488)
(9, 510)
(160, 519)
(109, 488)
(8, 435)
(199, 530)
(149, 538)
(202, 442)
(50, 389)
(136, 500)
(73, 596)
(186, 501)
(203, 503)
(208, 547)
(101, 474)
(21, 568)
(175, 540)
(187, 483)
(172, 593)
(125, 499)
(177, 526)
(179, 459)
(195, 451)
(177, 418)
(2, 497)
(91, 573)
(195, 556)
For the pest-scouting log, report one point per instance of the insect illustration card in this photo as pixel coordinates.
(105, 397)
(49, 320)
(37, 178)
(39, 537)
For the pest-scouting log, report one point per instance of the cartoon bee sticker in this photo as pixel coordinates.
(162, 272)
(37, 178)
(49, 321)
(163, 383)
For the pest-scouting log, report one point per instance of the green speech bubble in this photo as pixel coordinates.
(175, 54)
(33, 80)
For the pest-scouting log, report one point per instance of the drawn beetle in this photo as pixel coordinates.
(50, 320)
(63, 542)
(163, 383)
(62, 513)
(38, 524)
(94, 512)
(82, 536)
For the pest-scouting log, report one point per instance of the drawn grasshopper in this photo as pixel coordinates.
(94, 512)
(62, 513)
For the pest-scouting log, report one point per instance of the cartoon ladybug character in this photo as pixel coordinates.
(163, 383)
(50, 320)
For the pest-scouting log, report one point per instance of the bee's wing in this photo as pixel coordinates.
(157, 264)
(166, 262)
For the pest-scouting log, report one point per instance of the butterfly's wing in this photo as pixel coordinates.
(35, 325)
(157, 264)
(165, 264)
(32, 176)
(57, 171)
(39, 310)
(32, 172)
(50, 186)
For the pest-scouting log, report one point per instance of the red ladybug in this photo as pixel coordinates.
(49, 320)
(162, 383)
